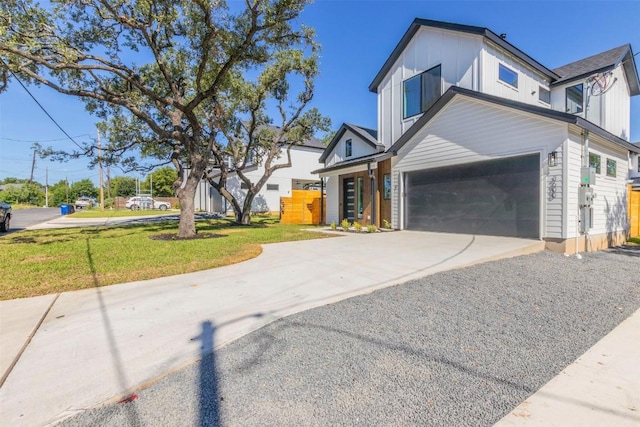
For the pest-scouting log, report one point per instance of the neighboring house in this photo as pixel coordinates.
(304, 158)
(475, 136)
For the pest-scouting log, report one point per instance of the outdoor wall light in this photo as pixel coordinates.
(553, 159)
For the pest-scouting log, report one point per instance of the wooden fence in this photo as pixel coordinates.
(303, 207)
(634, 212)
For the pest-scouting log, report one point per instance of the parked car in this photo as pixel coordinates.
(141, 202)
(85, 202)
(5, 216)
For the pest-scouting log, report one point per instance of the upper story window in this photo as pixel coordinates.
(422, 91)
(508, 76)
(575, 99)
(544, 95)
(348, 148)
(273, 187)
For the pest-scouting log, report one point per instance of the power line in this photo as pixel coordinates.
(45, 111)
(41, 140)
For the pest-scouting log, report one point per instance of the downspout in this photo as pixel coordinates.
(322, 221)
(372, 181)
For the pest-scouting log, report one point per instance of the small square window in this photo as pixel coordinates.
(611, 168)
(575, 99)
(544, 95)
(273, 187)
(508, 76)
(348, 148)
(594, 162)
(244, 186)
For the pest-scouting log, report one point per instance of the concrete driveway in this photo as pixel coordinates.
(96, 345)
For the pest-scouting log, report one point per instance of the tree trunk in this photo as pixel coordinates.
(186, 196)
(244, 216)
(187, 224)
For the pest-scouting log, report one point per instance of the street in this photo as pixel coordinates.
(23, 218)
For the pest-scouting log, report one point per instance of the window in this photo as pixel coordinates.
(422, 91)
(348, 148)
(386, 192)
(360, 195)
(611, 168)
(243, 186)
(594, 162)
(575, 99)
(273, 187)
(508, 76)
(544, 95)
(638, 159)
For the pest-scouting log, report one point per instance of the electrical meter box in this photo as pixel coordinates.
(585, 196)
(586, 219)
(588, 176)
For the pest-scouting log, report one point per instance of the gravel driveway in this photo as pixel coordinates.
(459, 348)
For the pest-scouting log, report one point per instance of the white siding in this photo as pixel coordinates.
(529, 81)
(610, 204)
(303, 161)
(359, 148)
(574, 153)
(617, 107)
(469, 131)
(332, 185)
(610, 110)
(457, 54)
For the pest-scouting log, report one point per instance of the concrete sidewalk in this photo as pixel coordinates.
(96, 345)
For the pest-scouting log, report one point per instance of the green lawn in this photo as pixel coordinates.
(41, 262)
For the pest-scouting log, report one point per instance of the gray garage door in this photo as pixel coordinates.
(497, 197)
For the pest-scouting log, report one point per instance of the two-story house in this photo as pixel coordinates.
(475, 136)
(299, 176)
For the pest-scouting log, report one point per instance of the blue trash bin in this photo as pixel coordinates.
(64, 209)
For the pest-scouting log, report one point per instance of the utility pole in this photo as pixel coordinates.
(100, 164)
(33, 166)
(46, 188)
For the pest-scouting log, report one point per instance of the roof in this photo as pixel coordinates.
(533, 109)
(468, 29)
(369, 158)
(600, 62)
(370, 136)
(312, 142)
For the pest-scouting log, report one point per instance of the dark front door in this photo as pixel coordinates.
(348, 199)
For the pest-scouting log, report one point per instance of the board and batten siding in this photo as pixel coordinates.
(529, 82)
(610, 203)
(458, 55)
(469, 130)
(359, 148)
(610, 110)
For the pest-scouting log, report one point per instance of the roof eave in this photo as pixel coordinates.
(485, 32)
(539, 111)
(378, 157)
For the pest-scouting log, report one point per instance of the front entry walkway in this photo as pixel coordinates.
(96, 345)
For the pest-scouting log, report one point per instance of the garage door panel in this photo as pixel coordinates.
(499, 197)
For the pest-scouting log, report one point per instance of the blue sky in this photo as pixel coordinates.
(356, 38)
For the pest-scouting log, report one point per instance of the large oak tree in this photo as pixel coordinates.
(201, 84)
